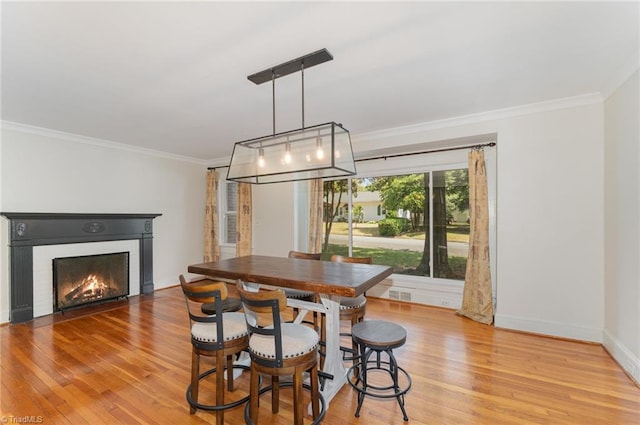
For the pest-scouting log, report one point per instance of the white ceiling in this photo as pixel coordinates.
(171, 76)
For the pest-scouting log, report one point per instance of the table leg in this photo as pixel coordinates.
(333, 363)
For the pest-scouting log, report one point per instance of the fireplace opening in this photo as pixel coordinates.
(81, 280)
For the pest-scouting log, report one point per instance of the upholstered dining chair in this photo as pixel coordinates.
(223, 336)
(352, 309)
(298, 294)
(279, 348)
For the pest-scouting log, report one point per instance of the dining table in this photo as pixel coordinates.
(332, 280)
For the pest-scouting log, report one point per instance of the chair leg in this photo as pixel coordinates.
(230, 373)
(275, 394)
(195, 373)
(315, 391)
(297, 397)
(254, 395)
(220, 360)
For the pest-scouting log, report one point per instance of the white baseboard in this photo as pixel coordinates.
(621, 354)
(4, 316)
(559, 329)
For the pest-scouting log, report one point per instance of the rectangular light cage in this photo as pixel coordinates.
(320, 151)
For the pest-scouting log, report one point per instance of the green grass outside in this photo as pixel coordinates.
(402, 261)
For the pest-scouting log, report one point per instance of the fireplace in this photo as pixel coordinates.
(29, 230)
(82, 280)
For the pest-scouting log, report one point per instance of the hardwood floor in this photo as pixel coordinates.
(129, 363)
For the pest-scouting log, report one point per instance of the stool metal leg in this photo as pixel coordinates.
(363, 377)
(393, 367)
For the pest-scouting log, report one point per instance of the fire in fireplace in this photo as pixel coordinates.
(91, 278)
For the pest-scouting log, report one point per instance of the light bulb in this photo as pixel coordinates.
(287, 154)
(319, 150)
(261, 161)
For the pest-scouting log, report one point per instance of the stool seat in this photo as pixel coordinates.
(228, 305)
(299, 294)
(379, 334)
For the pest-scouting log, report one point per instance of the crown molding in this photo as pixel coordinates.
(219, 162)
(76, 138)
(497, 114)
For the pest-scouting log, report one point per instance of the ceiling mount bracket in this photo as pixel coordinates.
(294, 65)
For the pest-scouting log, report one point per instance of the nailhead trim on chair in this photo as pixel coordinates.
(296, 341)
(234, 327)
(297, 293)
(347, 303)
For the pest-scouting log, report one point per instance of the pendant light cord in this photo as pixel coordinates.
(302, 73)
(273, 100)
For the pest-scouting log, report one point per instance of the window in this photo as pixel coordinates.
(426, 228)
(229, 206)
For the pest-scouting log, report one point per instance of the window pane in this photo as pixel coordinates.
(393, 222)
(230, 216)
(230, 227)
(335, 220)
(450, 223)
(232, 196)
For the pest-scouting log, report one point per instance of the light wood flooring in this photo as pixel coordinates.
(129, 363)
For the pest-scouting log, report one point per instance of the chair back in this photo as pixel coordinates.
(262, 311)
(305, 255)
(198, 293)
(345, 259)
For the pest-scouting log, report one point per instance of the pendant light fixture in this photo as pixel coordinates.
(319, 151)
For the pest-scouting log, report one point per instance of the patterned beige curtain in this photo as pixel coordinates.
(243, 239)
(211, 242)
(315, 218)
(477, 302)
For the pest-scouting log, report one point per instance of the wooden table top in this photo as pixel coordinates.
(324, 277)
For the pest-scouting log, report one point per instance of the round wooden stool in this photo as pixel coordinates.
(377, 337)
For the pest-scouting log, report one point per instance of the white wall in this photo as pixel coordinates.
(622, 228)
(550, 215)
(273, 219)
(44, 171)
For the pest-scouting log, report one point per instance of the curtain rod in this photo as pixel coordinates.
(398, 155)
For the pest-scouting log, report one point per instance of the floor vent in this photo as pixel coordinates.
(399, 295)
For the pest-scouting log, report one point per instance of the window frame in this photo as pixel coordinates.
(417, 164)
(430, 170)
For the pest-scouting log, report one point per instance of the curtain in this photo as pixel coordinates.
(477, 299)
(315, 218)
(211, 241)
(243, 238)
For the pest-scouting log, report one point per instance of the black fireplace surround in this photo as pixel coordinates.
(27, 230)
